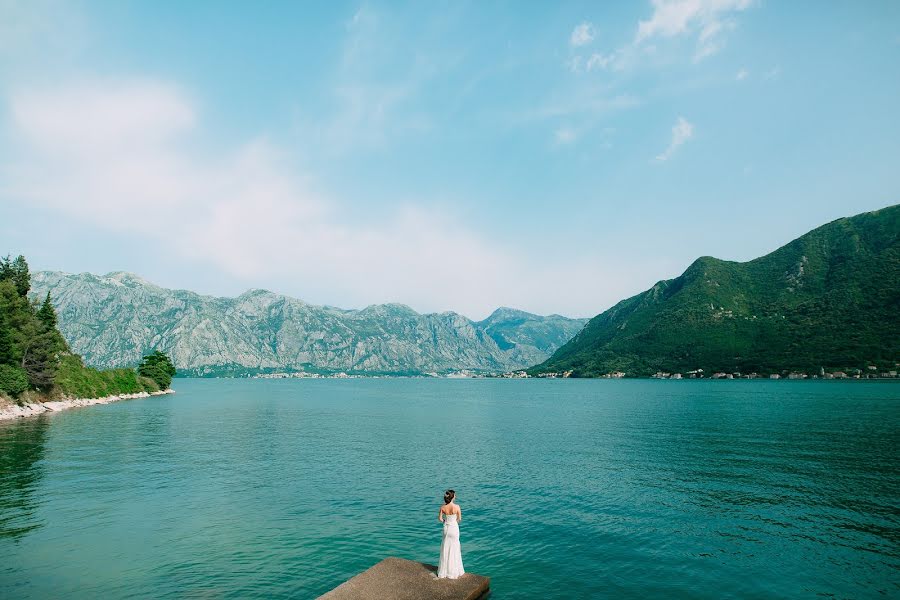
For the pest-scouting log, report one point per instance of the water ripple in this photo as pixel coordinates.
(588, 489)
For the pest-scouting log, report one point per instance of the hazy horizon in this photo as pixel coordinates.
(357, 308)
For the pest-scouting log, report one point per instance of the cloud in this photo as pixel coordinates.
(583, 34)
(707, 21)
(564, 135)
(374, 91)
(741, 75)
(589, 102)
(599, 61)
(127, 158)
(682, 131)
(677, 17)
(712, 37)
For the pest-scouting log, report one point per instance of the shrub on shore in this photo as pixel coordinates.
(13, 380)
(159, 368)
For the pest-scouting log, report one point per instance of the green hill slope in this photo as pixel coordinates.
(830, 298)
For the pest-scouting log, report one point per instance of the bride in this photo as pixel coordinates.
(450, 565)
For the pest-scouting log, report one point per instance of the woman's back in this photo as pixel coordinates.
(451, 510)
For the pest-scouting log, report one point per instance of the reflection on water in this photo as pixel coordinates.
(21, 451)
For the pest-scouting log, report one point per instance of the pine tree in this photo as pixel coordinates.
(41, 362)
(17, 272)
(47, 314)
(21, 275)
(29, 339)
(18, 316)
(6, 341)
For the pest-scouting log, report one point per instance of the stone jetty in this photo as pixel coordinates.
(400, 579)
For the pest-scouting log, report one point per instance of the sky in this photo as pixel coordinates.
(552, 157)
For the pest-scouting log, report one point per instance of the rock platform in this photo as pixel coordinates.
(401, 579)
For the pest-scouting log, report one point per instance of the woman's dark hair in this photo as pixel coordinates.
(449, 495)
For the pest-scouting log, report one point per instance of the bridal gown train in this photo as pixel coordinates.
(450, 565)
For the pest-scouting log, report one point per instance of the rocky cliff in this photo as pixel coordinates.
(112, 320)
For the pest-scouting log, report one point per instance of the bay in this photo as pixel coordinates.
(569, 488)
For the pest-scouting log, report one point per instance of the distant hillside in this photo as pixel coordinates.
(830, 298)
(113, 320)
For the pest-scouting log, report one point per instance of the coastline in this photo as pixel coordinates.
(14, 411)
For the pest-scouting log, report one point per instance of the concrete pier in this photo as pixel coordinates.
(400, 579)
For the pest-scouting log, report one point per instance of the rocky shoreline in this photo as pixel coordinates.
(15, 411)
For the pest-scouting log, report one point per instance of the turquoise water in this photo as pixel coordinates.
(569, 489)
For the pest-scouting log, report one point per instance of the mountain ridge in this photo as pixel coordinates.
(113, 319)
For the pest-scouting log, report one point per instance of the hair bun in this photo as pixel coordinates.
(449, 495)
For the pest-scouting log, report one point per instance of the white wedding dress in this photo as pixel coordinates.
(450, 565)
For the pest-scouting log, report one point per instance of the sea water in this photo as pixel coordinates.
(569, 488)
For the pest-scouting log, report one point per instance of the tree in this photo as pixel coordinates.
(18, 317)
(40, 354)
(47, 314)
(158, 367)
(17, 272)
(6, 340)
(34, 344)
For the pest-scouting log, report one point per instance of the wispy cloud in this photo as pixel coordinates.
(582, 35)
(587, 102)
(564, 135)
(374, 90)
(707, 20)
(741, 75)
(682, 131)
(599, 61)
(122, 156)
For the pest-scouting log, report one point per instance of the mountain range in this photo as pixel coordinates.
(829, 299)
(114, 319)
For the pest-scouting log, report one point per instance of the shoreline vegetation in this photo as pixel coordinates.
(38, 371)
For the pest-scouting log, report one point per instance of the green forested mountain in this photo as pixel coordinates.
(830, 298)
